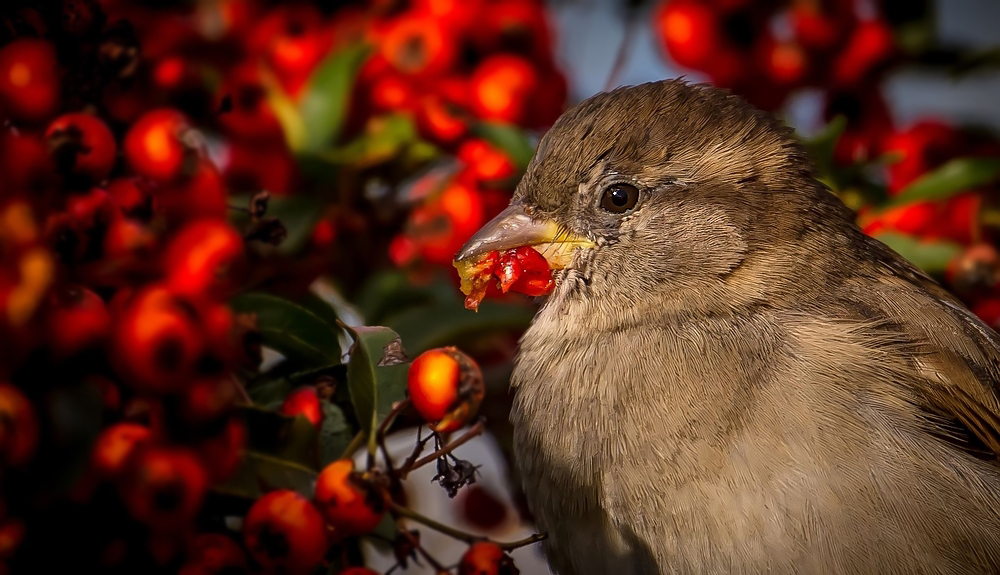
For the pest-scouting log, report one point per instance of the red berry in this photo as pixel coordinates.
(214, 554)
(199, 256)
(350, 504)
(222, 454)
(82, 144)
(284, 532)
(251, 116)
(114, 446)
(919, 149)
(418, 45)
(868, 49)
(157, 144)
(202, 194)
(483, 509)
(446, 388)
(78, 319)
(129, 196)
(975, 272)
(485, 162)
(486, 558)
(988, 310)
(29, 80)
(163, 486)
(358, 571)
(18, 427)
(502, 86)
(305, 402)
(689, 31)
(156, 342)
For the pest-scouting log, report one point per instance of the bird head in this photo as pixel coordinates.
(662, 188)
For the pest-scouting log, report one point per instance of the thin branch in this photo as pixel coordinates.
(380, 434)
(473, 432)
(401, 511)
(531, 539)
(417, 450)
(624, 51)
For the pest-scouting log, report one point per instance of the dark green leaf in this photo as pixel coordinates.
(290, 438)
(957, 176)
(270, 389)
(334, 435)
(320, 307)
(291, 329)
(930, 256)
(376, 375)
(327, 95)
(259, 473)
(449, 323)
(509, 139)
(384, 138)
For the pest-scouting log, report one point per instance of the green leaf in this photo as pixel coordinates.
(292, 123)
(291, 329)
(384, 138)
(269, 389)
(376, 376)
(334, 435)
(956, 176)
(509, 139)
(327, 95)
(259, 473)
(930, 256)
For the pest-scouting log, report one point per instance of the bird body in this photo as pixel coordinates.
(733, 378)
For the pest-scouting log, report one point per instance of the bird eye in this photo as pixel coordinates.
(620, 198)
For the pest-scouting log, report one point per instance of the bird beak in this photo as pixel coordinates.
(513, 228)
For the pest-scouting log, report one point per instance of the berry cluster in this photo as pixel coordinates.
(165, 173)
(929, 190)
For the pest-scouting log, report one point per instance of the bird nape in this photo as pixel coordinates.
(728, 376)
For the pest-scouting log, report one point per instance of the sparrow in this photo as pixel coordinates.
(729, 376)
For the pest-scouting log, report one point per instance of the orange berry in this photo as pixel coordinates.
(446, 388)
(305, 402)
(114, 446)
(689, 31)
(155, 146)
(198, 257)
(502, 86)
(350, 504)
(284, 532)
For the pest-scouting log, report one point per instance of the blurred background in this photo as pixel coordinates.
(202, 203)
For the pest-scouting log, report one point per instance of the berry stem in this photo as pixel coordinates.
(473, 432)
(380, 434)
(420, 548)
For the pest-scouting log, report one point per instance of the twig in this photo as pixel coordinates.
(417, 450)
(380, 434)
(531, 539)
(624, 50)
(420, 548)
(354, 445)
(399, 510)
(473, 432)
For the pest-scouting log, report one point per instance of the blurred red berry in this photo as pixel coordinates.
(514, 26)
(348, 502)
(129, 196)
(77, 319)
(502, 86)
(305, 402)
(127, 238)
(114, 446)
(975, 272)
(820, 26)
(689, 31)
(158, 145)
(291, 39)
(988, 310)
(250, 115)
(82, 144)
(221, 454)
(199, 255)
(214, 554)
(868, 124)
(869, 48)
(201, 195)
(483, 509)
(784, 62)
(358, 571)
(18, 427)
(392, 92)
(12, 533)
(442, 115)
(285, 533)
(485, 162)
(163, 486)
(418, 45)
(29, 80)
(323, 235)
(156, 342)
(919, 149)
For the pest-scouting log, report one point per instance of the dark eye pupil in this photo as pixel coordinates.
(619, 197)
